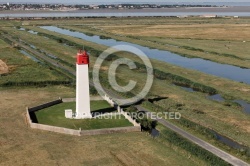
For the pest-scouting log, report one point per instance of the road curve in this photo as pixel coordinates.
(216, 151)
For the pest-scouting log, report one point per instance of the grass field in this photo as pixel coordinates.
(216, 82)
(215, 112)
(55, 116)
(18, 141)
(193, 31)
(23, 69)
(216, 49)
(216, 116)
(45, 44)
(231, 88)
(172, 30)
(195, 37)
(3, 67)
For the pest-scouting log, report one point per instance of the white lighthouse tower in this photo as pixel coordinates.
(82, 86)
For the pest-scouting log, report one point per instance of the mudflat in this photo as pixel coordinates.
(150, 10)
(3, 67)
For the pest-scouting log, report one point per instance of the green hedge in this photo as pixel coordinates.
(194, 149)
(181, 81)
(34, 83)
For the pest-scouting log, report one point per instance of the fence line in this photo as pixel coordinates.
(46, 105)
(120, 110)
(92, 98)
(31, 111)
(130, 119)
(110, 130)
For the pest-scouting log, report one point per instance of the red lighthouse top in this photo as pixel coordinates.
(82, 58)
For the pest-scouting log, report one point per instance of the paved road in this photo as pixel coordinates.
(216, 151)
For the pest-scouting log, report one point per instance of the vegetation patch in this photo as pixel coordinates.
(49, 146)
(55, 116)
(194, 149)
(147, 124)
(178, 80)
(243, 151)
(23, 71)
(202, 108)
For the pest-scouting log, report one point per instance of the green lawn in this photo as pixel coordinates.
(55, 116)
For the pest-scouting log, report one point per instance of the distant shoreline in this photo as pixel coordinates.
(151, 10)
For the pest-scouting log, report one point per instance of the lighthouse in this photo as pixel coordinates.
(82, 86)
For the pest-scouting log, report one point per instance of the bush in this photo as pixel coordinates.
(147, 124)
(93, 91)
(181, 81)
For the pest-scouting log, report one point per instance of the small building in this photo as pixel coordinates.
(182, 16)
(209, 16)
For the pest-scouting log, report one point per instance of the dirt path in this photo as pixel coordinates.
(3, 67)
